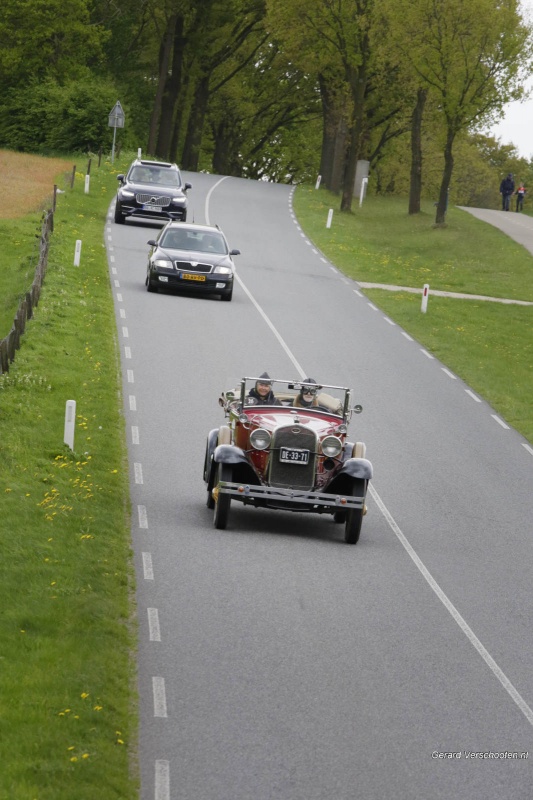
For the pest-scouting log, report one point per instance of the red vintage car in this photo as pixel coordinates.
(276, 453)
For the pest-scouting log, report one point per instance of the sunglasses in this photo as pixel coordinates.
(309, 390)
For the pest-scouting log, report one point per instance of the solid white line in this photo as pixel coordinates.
(468, 632)
(133, 403)
(426, 353)
(153, 625)
(528, 448)
(272, 327)
(130, 376)
(162, 780)
(473, 396)
(138, 470)
(500, 422)
(143, 517)
(148, 570)
(210, 192)
(127, 352)
(134, 434)
(160, 699)
(449, 374)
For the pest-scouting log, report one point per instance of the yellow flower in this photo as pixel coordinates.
(83, 695)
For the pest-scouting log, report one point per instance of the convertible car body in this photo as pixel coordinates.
(282, 456)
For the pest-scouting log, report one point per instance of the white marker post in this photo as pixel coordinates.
(425, 295)
(139, 152)
(87, 182)
(77, 253)
(362, 193)
(330, 217)
(70, 419)
(318, 180)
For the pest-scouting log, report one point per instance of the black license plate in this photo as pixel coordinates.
(293, 455)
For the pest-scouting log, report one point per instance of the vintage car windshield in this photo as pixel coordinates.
(332, 399)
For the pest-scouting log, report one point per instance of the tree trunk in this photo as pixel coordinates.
(164, 60)
(171, 92)
(415, 186)
(442, 205)
(195, 128)
(329, 133)
(358, 87)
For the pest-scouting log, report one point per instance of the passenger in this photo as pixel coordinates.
(262, 393)
(307, 396)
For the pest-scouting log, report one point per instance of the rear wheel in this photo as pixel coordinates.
(354, 516)
(223, 501)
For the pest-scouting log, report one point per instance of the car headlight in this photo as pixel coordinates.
(331, 446)
(180, 201)
(126, 193)
(260, 439)
(223, 270)
(162, 262)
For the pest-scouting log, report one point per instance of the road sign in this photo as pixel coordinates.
(116, 116)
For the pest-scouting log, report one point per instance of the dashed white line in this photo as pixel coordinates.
(449, 374)
(148, 569)
(389, 321)
(143, 517)
(119, 297)
(373, 307)
(127, 352)
(122, 312)
(426, 353)
(138, 470)
(130, 376)
(154, 629)
(134, 434)
(112, 259)
(358, 293)
(113, 269)
(500, 422)
(410, 338)
(473, 396)
(117, 284)
(133, 402)
(125, 332)
(323, 260)
(160, 697)
(528, 448)
(162, 780)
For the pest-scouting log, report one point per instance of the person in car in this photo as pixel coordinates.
(307, 396)
(262, 393)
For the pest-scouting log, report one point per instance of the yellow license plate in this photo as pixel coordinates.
(187, 276)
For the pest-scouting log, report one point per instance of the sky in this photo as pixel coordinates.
(516, 126)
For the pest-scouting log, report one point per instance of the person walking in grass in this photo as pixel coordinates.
(506, 191)
(520, 194)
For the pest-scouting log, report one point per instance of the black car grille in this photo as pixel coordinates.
(293, 476)
(188, 267)
(153, 200)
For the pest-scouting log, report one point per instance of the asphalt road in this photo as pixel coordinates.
(275, 661)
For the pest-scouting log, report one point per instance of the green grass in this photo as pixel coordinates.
(489, 345)
(68, 717)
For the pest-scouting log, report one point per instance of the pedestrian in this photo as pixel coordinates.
(520, 194)
(506, 191)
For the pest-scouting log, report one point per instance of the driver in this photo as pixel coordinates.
(262, 391)
(307, 396)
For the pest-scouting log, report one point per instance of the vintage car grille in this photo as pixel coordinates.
(188, 267)
(153, 200)
(295, 476)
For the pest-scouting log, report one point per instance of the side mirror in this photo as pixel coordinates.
(234, 252)
(120, 178)
(357, 409)
(152, 242)
(188, 186)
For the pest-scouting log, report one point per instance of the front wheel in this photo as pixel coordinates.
(227, 296)
(354, 516)
(223, 501)
(119, 219)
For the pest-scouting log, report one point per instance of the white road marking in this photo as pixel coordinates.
(500, 422)
(528, 448)
(119, 297)
(122, 312)
(153, 625)
(162, 780)
(358, 293)
(160, 698)
(117, 284)
(449, 374)
(143, 517)
(468, 632)
(113, 269)
(133, 402)
(389, 321)
(410, 338)
(373, 307)
(134, 434)
(125, 332)
(208, 197)
(127, 352)
(130, 376)
(473, 396)
(138, 470)
(426, 353)
(148, 569)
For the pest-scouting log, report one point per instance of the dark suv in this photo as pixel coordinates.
(152, 190)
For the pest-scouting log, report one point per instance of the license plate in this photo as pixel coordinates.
(148, 207)
(293, 456)
(188, 276)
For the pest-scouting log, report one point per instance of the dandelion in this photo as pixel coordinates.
(97, 708)
(74, 758)
(84, 695)
(85, 755)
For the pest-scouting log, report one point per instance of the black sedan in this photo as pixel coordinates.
(191, 257)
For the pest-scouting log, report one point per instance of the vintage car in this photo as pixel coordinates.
(283, 456)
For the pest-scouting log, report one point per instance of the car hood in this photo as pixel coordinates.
(157, 191)
(320, 422)
(194, 256)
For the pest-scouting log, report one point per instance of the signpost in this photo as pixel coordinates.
(116, 120)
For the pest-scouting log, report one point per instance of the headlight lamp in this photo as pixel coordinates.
(260, 439)
(126, 193)
(162, 262)
(331, 446)
(223, 270)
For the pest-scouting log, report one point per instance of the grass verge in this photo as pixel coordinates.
(68, 719)
(489, 345)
